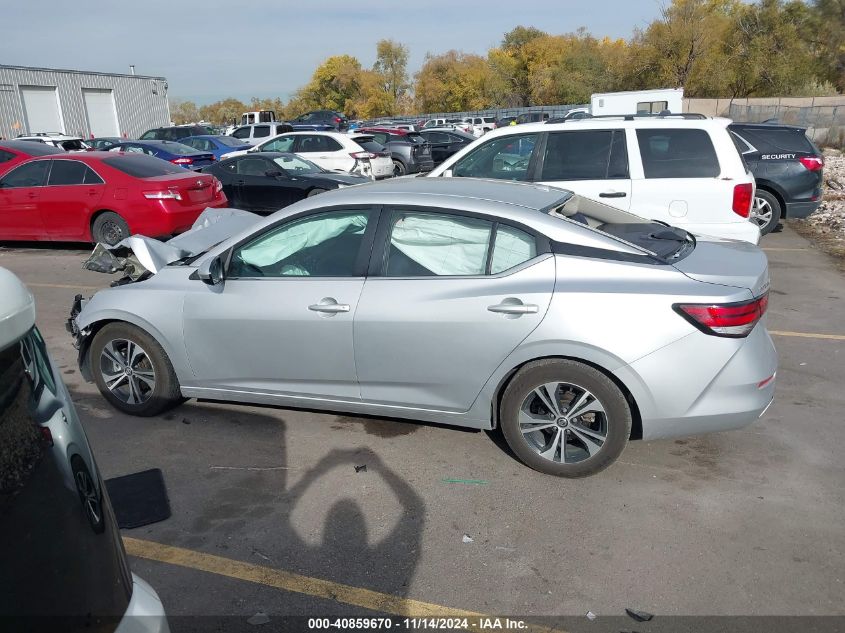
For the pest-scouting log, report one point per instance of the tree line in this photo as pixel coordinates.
(711, 48)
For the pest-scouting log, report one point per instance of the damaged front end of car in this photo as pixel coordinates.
(140, 257)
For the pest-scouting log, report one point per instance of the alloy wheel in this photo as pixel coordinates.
(563, 422)
(89, 496)
(761, 212)
(127, 371)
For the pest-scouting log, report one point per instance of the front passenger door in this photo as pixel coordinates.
(281, 322)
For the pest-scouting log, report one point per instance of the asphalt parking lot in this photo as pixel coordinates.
(271, 515)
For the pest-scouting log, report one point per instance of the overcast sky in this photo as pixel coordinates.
(213, 49)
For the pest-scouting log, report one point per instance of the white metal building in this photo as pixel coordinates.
(80, 103)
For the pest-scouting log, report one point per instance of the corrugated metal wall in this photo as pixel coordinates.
(140, 101)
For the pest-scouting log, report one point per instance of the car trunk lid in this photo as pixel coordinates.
(193, 188)
(727, 263)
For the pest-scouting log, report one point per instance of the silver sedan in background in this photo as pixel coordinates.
(569, 324)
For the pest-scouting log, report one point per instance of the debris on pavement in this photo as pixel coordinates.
(361, 469)
(185, 421)
(258, 619)
(639, 616)
(470, 482)
(591, 615)
(468, 539)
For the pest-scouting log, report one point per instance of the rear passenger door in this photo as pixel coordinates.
(323, 150)
(680, 179)
(72, 194)
(592, 163)
(447, 298)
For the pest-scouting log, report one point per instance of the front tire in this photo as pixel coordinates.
(109, 228)
(132, 371)
(766, 211)
(565, 418)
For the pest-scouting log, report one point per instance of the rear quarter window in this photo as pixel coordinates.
(677, 153)
(142, 166)
(777, 140)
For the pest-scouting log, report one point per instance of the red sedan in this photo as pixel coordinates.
(15, 152)
(102, 197)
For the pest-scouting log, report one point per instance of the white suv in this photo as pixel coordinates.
(686, 172)
(61, 141)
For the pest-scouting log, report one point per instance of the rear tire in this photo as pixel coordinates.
(766, 211)
(132, 370)
(398, 168)
(109, 228)
(540, 420)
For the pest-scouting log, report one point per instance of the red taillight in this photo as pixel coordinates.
(733, 320)
(46, 436)
(183, 161)
(743, 195)
(337, 119)
(218, 186)
(170, 194)
(363, 155)
(813, 163)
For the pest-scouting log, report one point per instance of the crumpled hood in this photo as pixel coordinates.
(139, 254)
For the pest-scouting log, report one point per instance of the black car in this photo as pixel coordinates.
(505, 121)
(410, 152)
(267, 181)
(787, 167)
(444, 143)
(321, 120)
(174, 132)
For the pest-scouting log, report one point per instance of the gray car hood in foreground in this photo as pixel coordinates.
(139, 254)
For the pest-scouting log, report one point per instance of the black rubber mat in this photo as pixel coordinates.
(139, 499)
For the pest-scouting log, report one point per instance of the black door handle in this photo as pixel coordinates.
(612, 194)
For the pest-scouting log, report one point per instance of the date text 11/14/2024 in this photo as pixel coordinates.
(417, 624)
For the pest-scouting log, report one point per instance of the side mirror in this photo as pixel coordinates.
(211, 270)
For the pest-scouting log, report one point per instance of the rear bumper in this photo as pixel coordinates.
(800, 209)
(731, 386)
(145, 613)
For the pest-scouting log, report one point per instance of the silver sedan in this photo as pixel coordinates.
(570, 325)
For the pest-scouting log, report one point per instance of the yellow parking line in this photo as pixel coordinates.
(778, 248)
(831, 337)
(71, 286)
(287, 581)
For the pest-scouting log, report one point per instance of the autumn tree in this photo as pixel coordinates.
(455, 81)
(391, 68)
(184, 112)
(224, 111)
(511, 63)
(765, 55)
(335, 82)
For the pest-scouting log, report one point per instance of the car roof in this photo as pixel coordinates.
(31, 149)
(17, 308)
(499, 193)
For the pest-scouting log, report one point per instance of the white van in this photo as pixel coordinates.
(260, 132)
(684, 170)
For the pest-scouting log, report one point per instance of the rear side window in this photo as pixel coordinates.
(776, 140)
(71, 172)
(73, 145)
(511, 247)
(5, 156)
(371, 146)
(149, 135)
(677, 153)
(142, 166)
(584, 155)
(434, 244)
(261, 131)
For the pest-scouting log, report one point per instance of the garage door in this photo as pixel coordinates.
(101, 113)
(41, 109)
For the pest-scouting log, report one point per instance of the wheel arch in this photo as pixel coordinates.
(636, 417)
(93, 327)
(93, 218)
(770, 187)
